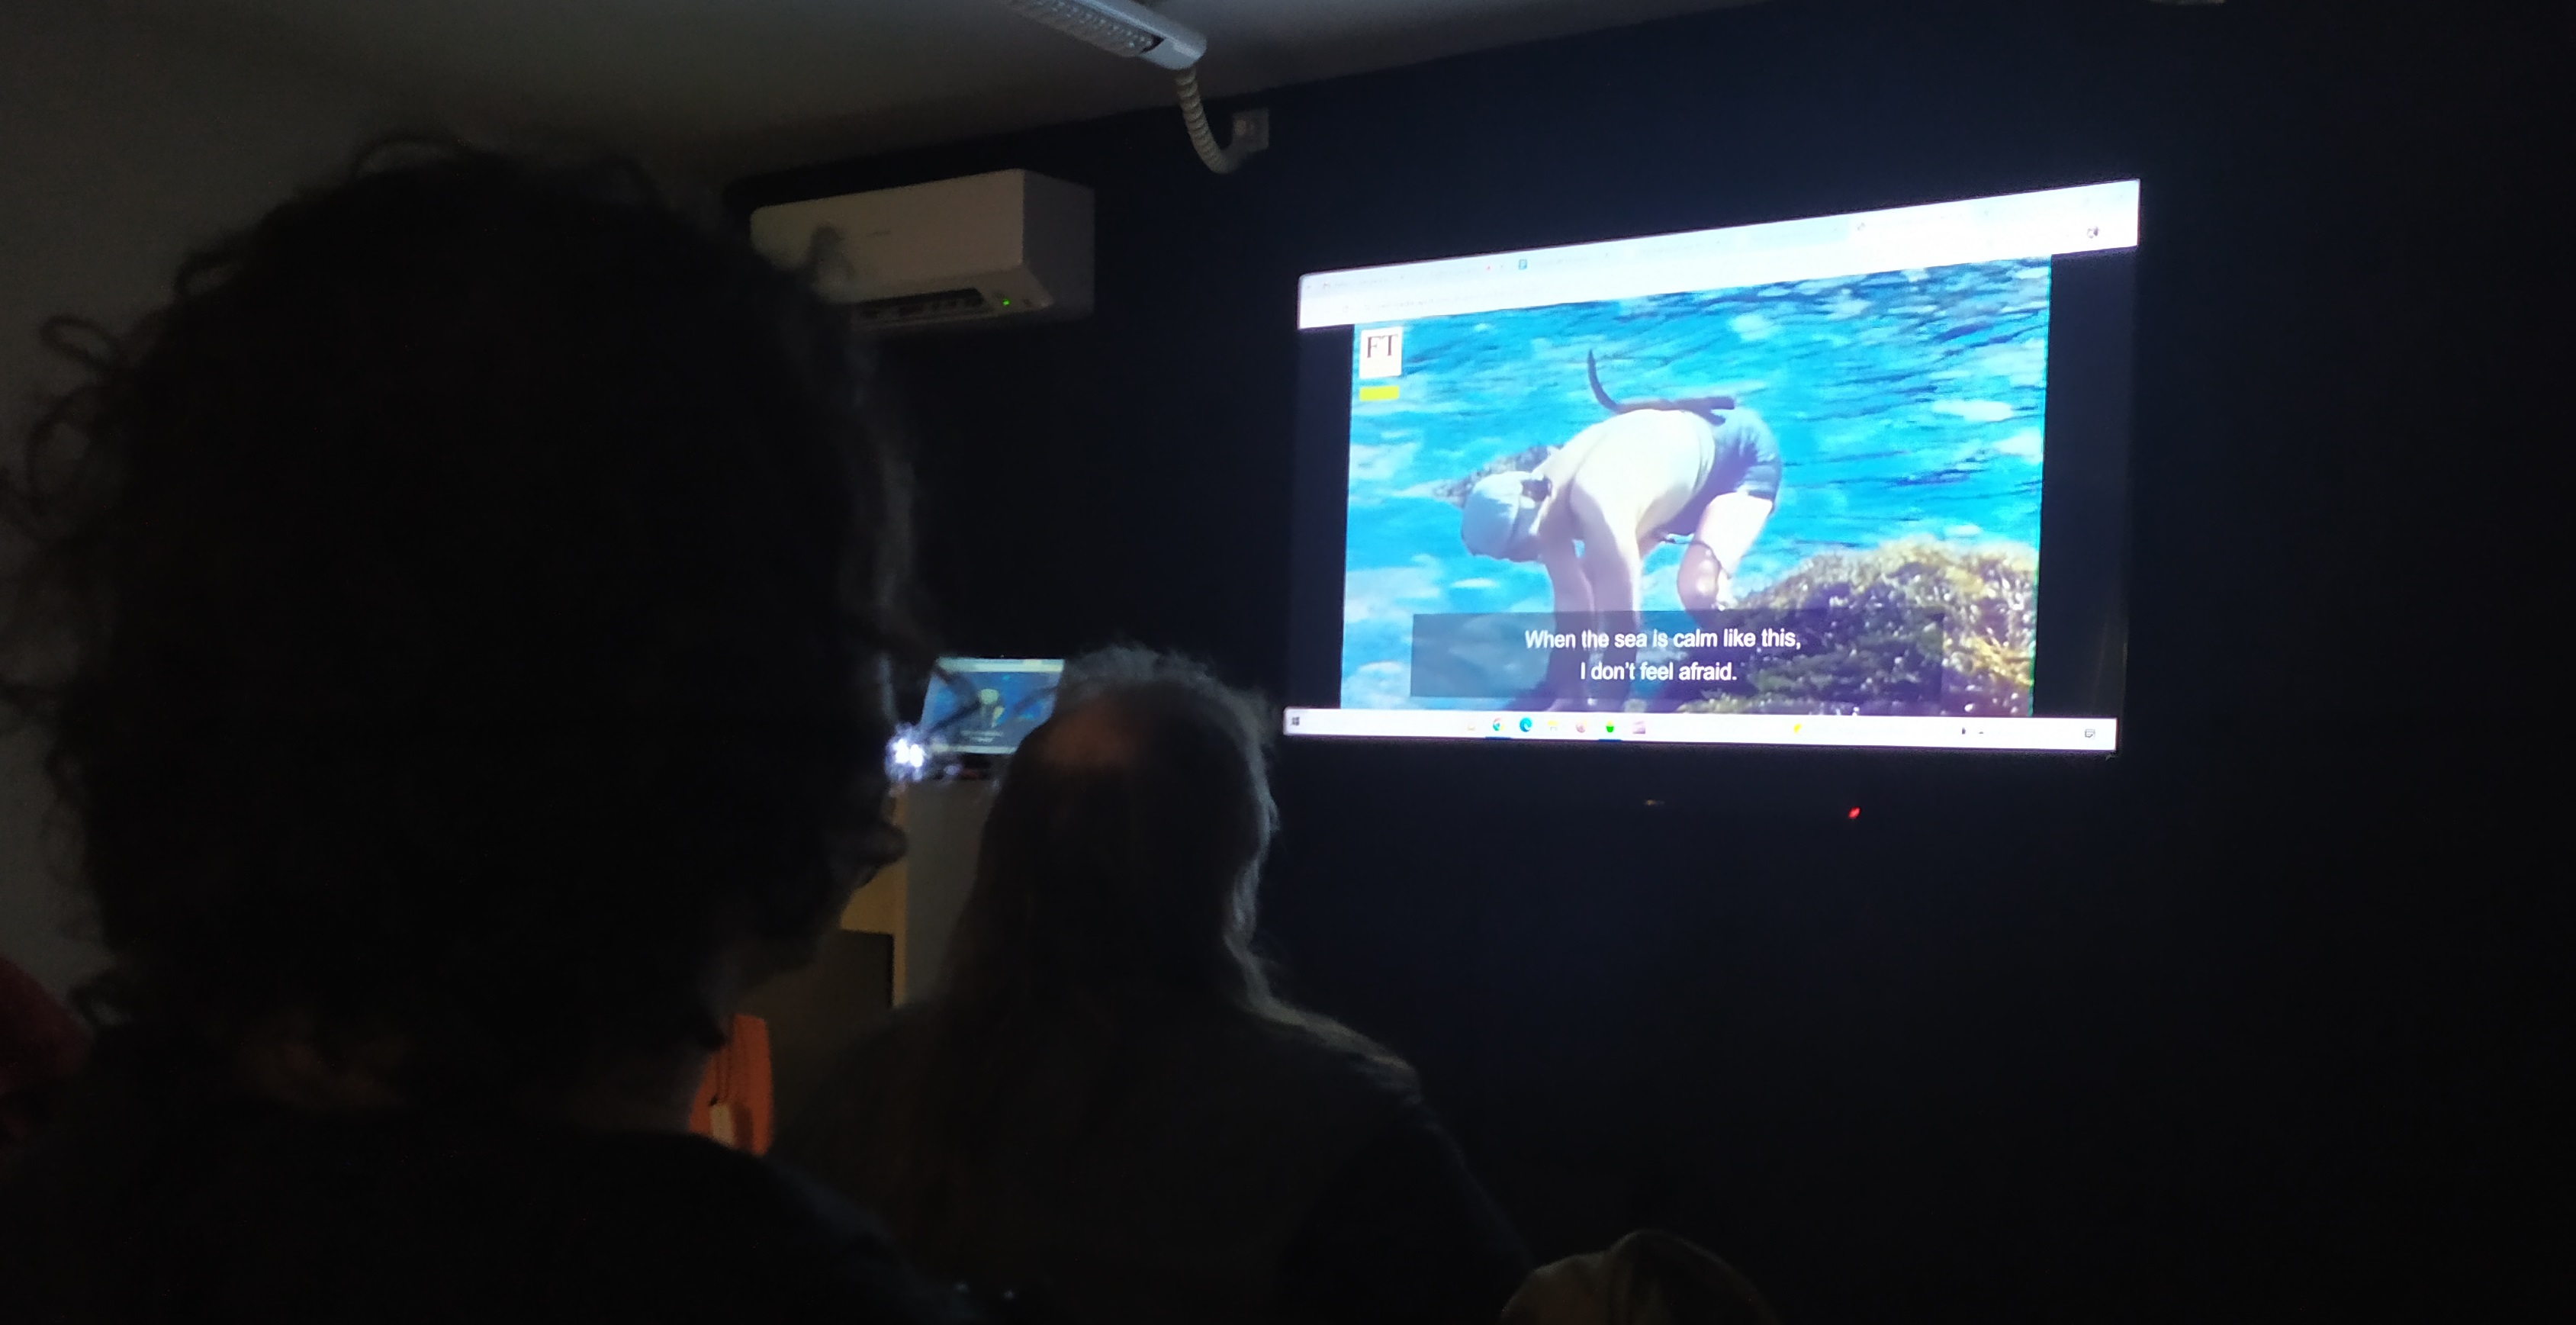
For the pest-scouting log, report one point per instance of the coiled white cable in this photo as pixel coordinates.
(1222, 160)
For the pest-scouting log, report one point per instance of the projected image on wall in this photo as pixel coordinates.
(1799, 482)
(1817, 496)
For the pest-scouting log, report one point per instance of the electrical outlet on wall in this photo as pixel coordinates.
(1251, 130)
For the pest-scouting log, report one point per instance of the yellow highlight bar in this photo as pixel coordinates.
(1385, 392)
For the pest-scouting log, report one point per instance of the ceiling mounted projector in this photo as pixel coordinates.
(1125, 28)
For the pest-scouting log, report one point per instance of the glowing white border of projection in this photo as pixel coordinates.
(2070, 735)
(2087, 219)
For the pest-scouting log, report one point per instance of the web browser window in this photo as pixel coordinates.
(1843, 480)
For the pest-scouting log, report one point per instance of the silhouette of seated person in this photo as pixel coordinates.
(1104, 1109)
(41, 1047)
(461, 624)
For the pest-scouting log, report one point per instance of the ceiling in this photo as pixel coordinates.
(723, 87)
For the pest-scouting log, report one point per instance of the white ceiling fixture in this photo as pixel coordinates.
(1125, 28)
(721, 88)
(1118, 27)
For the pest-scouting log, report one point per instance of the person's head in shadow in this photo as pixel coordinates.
(1104, 1104)
(1122, 859)
(462, 621)
(1108, 937)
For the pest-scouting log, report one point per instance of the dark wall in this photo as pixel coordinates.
(2245, 1023)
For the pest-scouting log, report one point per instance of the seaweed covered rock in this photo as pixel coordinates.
(1880, 626)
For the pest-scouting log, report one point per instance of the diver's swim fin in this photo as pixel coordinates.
(1592, 370)
(1701, 405)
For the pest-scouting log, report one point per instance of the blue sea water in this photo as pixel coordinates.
(1906, 404)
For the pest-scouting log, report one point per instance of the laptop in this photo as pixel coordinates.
(987, 706)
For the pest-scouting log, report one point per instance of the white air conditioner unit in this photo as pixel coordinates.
(1009, 244)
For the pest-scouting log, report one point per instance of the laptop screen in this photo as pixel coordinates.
(987, 706)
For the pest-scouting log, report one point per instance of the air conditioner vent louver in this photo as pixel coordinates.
(922, 307)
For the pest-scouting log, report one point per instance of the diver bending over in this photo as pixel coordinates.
(1704, 469)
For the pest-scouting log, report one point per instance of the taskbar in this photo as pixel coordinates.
(1890, 732)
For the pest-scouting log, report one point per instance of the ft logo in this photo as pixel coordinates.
(1382, 352)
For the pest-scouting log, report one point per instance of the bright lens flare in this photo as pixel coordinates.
(907, 756)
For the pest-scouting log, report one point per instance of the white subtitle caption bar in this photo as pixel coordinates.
(2089, 219)
(2068, 735)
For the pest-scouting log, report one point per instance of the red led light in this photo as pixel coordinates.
(1855, 813)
